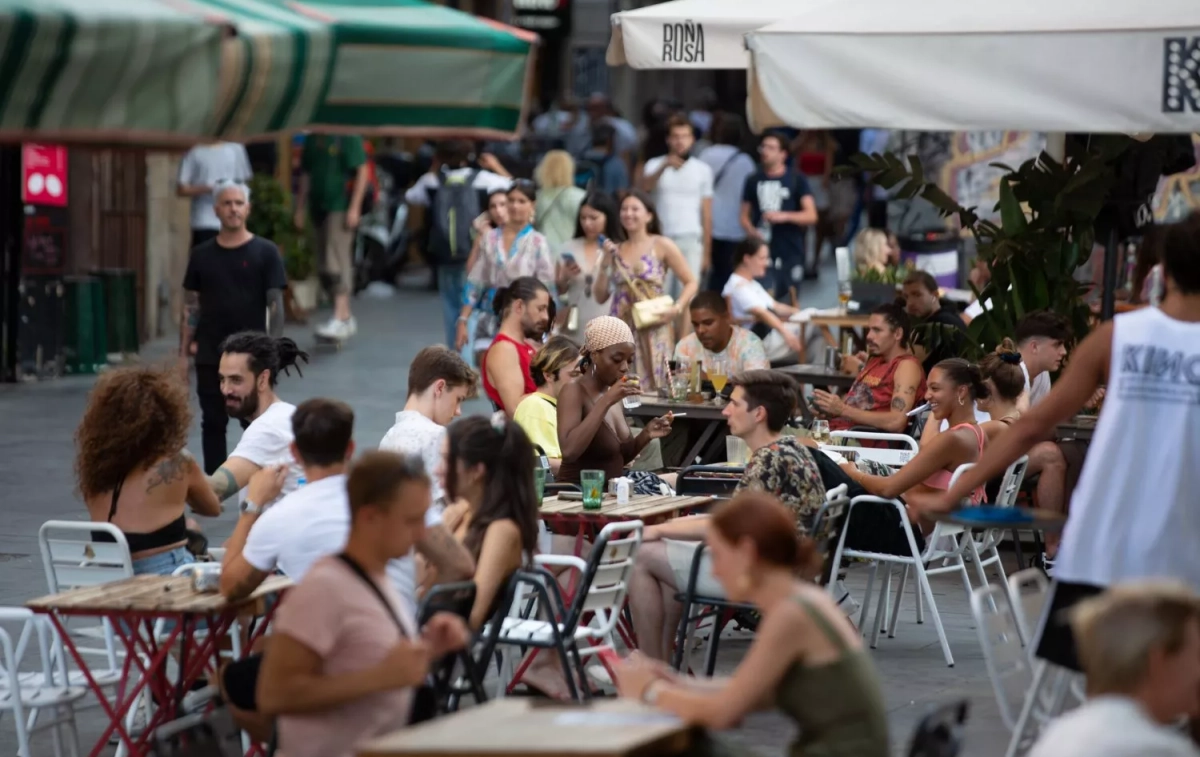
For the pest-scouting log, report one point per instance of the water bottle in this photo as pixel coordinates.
(622, 491)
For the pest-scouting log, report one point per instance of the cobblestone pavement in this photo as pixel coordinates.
(370, 373)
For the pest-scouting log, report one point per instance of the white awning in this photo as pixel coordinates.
(691, 33)
(967, 65)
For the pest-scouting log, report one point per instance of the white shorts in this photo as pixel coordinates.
(680, 555)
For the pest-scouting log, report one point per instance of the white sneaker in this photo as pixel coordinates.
(353, 325)
(846, 602)
(335, 330)
(1047, 565)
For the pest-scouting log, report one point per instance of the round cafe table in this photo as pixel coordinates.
(982, 517)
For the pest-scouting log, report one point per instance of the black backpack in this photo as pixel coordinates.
(455, 206)
(588, 173)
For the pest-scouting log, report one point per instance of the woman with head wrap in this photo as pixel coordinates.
(592, 432)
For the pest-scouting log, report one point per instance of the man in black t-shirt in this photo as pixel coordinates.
(230, 284)
(932, 344)
(777, 205)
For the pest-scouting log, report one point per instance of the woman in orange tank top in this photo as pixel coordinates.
(953, 387)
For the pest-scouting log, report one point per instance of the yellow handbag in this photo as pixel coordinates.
(649, 310)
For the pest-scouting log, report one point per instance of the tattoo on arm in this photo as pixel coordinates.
(223, 483)
(898, 403)
(275, 312)
(445, 553)
(168, 471)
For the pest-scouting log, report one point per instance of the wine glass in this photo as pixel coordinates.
(844, 290)
(718, 374)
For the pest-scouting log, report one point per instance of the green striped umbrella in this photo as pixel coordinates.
(176, 72)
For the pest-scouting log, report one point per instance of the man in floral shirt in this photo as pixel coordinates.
(759, 408)
(715, 336)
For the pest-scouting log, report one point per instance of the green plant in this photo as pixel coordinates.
(1047, 214)
(892, 274)
(271, 218)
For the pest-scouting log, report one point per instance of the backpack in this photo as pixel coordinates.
(455, 206)
(588, 173)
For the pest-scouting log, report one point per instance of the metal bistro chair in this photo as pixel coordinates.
(24, 694)
(983, 549)
(1008, 665)
(826, 527)
(585, 629)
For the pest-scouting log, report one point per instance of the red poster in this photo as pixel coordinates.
(44, 174)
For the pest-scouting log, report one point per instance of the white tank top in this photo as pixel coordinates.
(1136, 510)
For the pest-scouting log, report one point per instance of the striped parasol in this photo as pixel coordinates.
(175, 72)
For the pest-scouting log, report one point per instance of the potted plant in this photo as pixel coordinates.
(271, 217)
(1047, 213)
(871, 287)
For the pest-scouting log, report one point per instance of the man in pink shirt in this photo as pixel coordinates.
(346, 656)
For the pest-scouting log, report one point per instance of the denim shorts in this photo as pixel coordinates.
(164, 563)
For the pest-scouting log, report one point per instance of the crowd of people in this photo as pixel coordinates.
(562, 303)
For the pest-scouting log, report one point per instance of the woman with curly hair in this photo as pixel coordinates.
(133, 470)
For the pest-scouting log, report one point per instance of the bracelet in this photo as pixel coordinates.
(463, 318)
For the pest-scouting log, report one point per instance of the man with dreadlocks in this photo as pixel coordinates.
(250, 366)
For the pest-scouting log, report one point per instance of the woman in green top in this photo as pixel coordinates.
(807, 660)
(552, 366)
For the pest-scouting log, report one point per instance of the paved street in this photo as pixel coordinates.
(370, 373)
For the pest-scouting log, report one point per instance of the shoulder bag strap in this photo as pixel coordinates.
(638, 293)
(724, 166)
(358, 571)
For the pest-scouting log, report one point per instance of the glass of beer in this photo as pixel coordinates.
(718, 373)
(844, 288)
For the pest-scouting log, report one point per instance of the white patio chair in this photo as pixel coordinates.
(585, 628)
(933, 560)
(1029, 591)
(43, 689)
(1008, 666)
(894, 458)
(72, 558)
(983, 546)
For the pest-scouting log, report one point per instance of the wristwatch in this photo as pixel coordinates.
(249, 508)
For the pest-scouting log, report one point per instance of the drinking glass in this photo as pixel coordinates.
(539, 481)
(679, 387)
(634, 401)
(844, 289)
(592, 483)
(820, 432)
(718, 373)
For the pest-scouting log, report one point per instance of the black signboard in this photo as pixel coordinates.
(551, 19)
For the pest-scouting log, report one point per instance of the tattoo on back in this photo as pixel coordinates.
(168, 471)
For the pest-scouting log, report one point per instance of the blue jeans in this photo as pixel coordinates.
(164, 563)
(450, 280)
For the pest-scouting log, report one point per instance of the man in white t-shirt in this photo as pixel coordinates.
(452, 161)
(1139, 645)
(199, 172)
(682, 188)
(438, 382)
(250, 366)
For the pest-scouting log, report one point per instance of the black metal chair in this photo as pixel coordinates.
(713, 480)
(940, 733)
(449, 685)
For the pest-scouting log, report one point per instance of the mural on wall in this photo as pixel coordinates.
(968, 175)
(1179, 194)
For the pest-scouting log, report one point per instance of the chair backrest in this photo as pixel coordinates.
(1006, 660)
(828, 524)
(607, 577)
(1030, 589)
(12, 653)
(959, 471)
(72, 558)
(1010, 485)
(714, 480)
(940, 733)
(457, 598)
(894, 458)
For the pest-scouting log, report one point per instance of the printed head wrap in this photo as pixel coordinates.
(603, 332)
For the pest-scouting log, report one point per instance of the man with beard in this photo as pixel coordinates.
(231, 283)
(716, 338)
(889, 381)
(249, 370)
(523, 308)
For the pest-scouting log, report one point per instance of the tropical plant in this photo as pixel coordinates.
(1047, 214)
(271, 218)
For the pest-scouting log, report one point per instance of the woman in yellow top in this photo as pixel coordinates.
(551, 368)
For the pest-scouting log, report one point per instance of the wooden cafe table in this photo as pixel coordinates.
(708, 412)
(133, 606)
(523, 726)
(567, 516)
